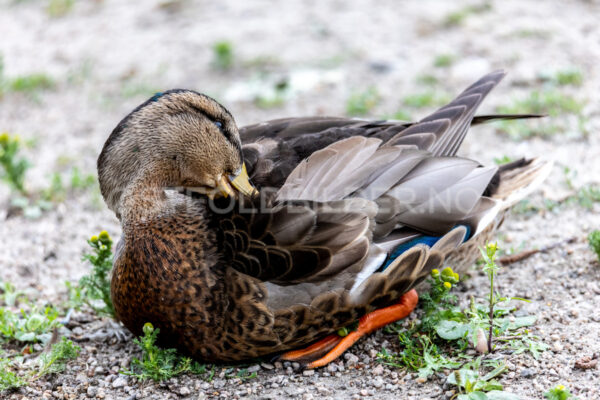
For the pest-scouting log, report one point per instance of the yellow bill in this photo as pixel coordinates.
(241, 182)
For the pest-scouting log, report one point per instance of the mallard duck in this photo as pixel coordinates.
(343, 218)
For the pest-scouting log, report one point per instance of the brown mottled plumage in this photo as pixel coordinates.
(230, 278)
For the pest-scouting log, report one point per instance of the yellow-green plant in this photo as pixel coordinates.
(95, 287)
(560, 392)
(13, 166)
(161, 364)
(223, 55)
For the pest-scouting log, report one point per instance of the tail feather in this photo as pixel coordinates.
(482, 119)
(514, 181)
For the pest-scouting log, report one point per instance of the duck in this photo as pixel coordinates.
(265, 240)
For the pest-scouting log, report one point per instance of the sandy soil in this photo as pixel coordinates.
(108, 56)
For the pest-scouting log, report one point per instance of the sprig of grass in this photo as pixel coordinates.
(362, 103)
(161, 364)
(223, 55)
(57, 191)
(443, 60)
(473, 385)
(51, 362)
(9, 379)
(13, 166)
(10, 295)
(503, 160)
(594, 241)
(586, 197)
(31, 83)
(59, 8)
(274, 98)
(428, 98)
(56, 359)
(569, 77)
(457, 18)
(551, 102)
(491, 269)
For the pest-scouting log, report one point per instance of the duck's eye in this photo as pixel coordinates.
(219, 124)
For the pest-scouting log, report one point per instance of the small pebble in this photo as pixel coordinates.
(308, 372)
(185, 391)
(377, 382)
(528, 373)
(253, 368)
(92, 391)
(378, 370)
(557, 346)
(119, 382)
(351, 358)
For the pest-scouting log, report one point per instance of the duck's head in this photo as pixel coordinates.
(178, 138)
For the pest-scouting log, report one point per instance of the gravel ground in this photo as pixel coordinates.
(107, 56)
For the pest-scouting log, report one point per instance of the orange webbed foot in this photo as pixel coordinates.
(331, 347)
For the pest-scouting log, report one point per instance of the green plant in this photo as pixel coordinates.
(573, 77)
(362, 103)
(560, 392)
(13, 166)
(58, 8)
(585, 196)
(56, 359)
(242, 374)
(79, 181)
(33, 326)
(491, 269)
(223, 55)
(94, 289)
(420, 354)
(10, 295)
(443, 60)
(31, 83)
(9, 379)
(161, 364)
(426, 99)
(550, 102)
(594, 241)
(402, 115)
(57, 191)
(274, 98)
(445, 331)
(457, 18)
(476, 386)
(427, 79)
(503, 160)
(51, 362)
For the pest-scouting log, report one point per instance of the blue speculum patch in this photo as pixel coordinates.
(156, 96)
(426, 240)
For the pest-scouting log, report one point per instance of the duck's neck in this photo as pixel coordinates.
(144, 200)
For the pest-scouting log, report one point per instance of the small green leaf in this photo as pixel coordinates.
(451, 330)
(520, 322)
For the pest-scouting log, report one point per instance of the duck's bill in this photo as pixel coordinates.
(240, 182)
